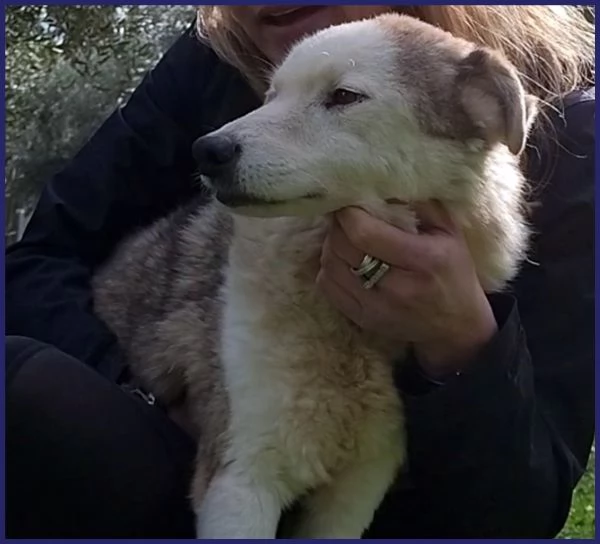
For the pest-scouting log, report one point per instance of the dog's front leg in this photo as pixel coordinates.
(236, 506)
(345, 507)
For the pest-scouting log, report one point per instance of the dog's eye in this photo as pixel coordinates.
(343, 97)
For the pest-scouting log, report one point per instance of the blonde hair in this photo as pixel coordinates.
(553, 47)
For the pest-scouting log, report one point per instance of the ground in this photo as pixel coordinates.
(582, 519)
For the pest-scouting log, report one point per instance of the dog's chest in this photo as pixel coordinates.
(309, 408)
(308, 390)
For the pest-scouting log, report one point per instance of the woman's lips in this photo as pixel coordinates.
(282, 16)
(280, 26)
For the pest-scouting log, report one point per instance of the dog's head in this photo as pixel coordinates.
(383, 108)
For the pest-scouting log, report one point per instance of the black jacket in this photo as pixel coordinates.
(494, 452)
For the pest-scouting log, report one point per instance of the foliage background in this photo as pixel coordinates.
(67, 68)
(582, 518)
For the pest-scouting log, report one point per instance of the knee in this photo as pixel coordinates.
(16, 346)
(18, 351)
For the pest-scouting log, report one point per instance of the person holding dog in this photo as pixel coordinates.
(498, 388)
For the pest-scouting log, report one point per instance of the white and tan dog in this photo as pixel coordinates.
(291, 401)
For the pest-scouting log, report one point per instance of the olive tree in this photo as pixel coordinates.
(67, 68)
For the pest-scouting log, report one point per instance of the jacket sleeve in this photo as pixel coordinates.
(496, 451)
(136, 167)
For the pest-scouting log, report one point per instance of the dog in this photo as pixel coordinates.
(217, 304)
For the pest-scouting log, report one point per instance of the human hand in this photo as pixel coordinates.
(431, 295)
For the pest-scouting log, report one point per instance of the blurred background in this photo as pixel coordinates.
(67, 69)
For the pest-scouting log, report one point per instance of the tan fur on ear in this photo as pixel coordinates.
(494, 99)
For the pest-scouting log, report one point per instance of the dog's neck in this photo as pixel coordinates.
(274, 263)
(285, 249)
(290, 247)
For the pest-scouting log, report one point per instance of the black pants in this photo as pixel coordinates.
(84, 458)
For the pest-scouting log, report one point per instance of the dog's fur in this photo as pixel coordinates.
(290, 400)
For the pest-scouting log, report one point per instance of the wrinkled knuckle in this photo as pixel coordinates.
(373, 315)
(368, 308)
(361, 320)
(327, 258)
(437, 257)
(407, 292)
(360, 234)
(427, 284)
(321, 280)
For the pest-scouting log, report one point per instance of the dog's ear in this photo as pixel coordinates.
(493, 98)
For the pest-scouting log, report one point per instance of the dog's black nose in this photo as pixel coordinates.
(215, 155)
